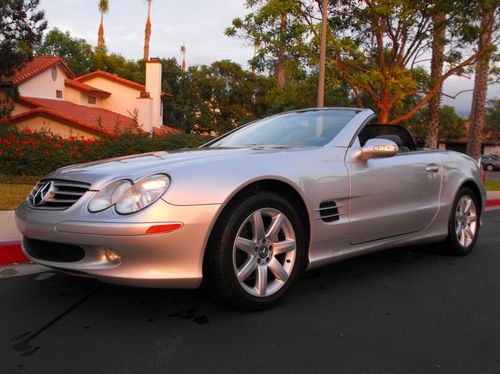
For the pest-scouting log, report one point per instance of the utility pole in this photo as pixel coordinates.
(322, 57)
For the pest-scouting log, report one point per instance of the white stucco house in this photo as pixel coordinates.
(50, 96)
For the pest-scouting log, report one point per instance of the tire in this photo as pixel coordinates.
(463, 225)
(490, 167)
(247, 265)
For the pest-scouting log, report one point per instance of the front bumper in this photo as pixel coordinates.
(173, 259)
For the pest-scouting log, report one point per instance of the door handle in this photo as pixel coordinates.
(432, 168)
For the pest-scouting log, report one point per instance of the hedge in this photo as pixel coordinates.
(37, 153)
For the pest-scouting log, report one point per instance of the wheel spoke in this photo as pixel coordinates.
(471, 219)
(284, 246)
(458, 229)
(261, 281)
(278, 270)
(245, 245)
(468, 204)
(275, 227)
(462, 237)
(469, 232)
(246, 269)
(258, 226)
(462, 206)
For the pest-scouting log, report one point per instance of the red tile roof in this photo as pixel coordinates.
(86, 88)
(34, 67)
(80, 116)
(116, 78)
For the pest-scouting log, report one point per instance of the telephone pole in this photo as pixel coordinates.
(322, 57)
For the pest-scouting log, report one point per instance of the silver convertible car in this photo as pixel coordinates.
(247, 212)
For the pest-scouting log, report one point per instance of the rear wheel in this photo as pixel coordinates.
(463, 226)
(255, 252)
(489, 167)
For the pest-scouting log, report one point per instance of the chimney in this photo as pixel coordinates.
(145, 112)
(153, 86)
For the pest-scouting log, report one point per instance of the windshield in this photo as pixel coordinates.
(307, 128)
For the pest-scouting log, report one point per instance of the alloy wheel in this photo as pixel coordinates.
(465, 221)
(264, 252)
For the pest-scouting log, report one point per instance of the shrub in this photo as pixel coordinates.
(36, 153)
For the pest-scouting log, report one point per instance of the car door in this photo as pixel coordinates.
(392, 196)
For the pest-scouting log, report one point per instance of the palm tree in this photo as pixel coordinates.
(437, 62)
(103, 8)
(147, 35)
(482, 70)
(183, 51)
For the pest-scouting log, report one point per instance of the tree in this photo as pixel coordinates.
(482, 70)
(452, 126)
(492, 124)
(103, 8)
(377, 46)
(437, 64)
(278, 27)
(21, 27)
(119, 65)
(75, 52)
(147, 32)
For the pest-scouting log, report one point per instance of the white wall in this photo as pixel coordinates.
(43, 86)
(123, 98)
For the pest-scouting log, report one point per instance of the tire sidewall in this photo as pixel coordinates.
(239, 213)
(455, 245)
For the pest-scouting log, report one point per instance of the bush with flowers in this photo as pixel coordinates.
(36, 153)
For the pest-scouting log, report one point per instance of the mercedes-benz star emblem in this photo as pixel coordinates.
(43, 193)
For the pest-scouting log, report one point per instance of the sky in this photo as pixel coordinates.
(199, 24)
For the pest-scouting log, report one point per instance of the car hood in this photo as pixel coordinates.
(133, 167)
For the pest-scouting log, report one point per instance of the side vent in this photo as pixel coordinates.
(329, 211)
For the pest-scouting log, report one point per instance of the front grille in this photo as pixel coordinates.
(54, 252)
(329, 211)
(56, 194)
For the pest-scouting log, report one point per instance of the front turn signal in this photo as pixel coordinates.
(164, 228)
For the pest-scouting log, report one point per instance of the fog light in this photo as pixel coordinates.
(112, 255)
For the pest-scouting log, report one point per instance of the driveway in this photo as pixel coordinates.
(408, 310)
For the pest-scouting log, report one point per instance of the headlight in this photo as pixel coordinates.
(109, 195)
(142, 194)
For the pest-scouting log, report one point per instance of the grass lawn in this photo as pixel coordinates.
(11, 195)
(492, 185)
(14, 189)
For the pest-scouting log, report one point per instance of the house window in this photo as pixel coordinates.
(53, 73)
(92, 99)
(59, 94)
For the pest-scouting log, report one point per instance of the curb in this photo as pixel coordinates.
(491, 203)
(11, 252)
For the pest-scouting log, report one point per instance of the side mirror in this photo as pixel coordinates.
(379, 148)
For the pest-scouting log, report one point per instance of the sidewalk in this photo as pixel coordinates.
(10, 247)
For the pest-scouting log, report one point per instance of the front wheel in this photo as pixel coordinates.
(256, 251)
(463, 225)
(489, 167)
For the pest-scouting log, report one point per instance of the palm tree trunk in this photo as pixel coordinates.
(280, 69)
(477, 116)
(100, 38)
(147, 36)
(432, 133)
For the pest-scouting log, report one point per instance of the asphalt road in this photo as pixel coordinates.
(409, 310)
